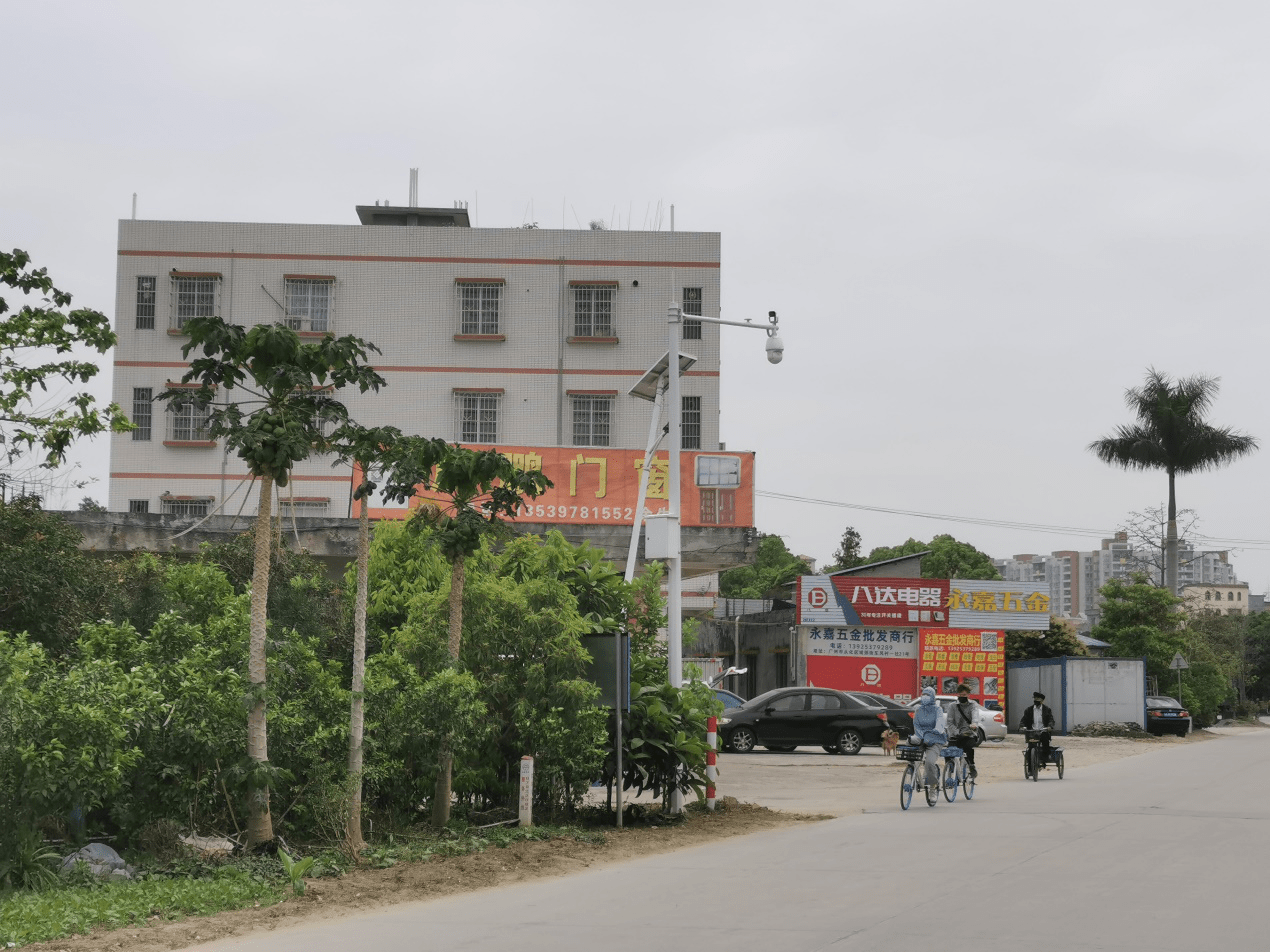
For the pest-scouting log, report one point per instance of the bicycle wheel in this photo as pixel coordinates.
(1058, 762)
(967, 783)
(932, 790)
(906, 786)
(1034, 756)
(1027, 765)
(951, 779)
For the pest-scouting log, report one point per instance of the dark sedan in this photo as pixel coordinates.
(803, 717)
(1166, 716)
(899, 716)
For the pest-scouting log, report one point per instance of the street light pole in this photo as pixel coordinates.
(674, 565)
(663, 378)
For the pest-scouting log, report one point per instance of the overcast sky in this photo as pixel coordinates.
(979, 222)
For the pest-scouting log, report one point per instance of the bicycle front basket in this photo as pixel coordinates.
(908, 752)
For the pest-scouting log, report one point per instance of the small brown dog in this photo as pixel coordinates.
(890, 739)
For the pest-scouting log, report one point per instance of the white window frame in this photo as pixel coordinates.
(476, 414)
(147, 301)
(192, 508)
(480, 304)
(592, 412)
(692, 298)
(143, 413)
(718, 471)
(307, 311)
(594, 309)
(690, 422)
(304, 506)
(194, 295)
(184, 423)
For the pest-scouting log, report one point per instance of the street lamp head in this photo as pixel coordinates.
(775, 348)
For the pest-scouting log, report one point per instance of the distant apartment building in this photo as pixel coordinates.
(1218, 599)
(1075, 578)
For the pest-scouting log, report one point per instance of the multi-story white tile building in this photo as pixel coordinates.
(508, 336)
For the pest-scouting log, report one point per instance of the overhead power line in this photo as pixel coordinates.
(1103, 533)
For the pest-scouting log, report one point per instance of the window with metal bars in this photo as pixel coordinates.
(142, 412)
(304, 507)
(309, 304)
(478, 417)
(196, 508)
(690, 423)
(146, 288)
(592, 420)
(691, 305)
(188, 420)
(593, 310)
(195, 296)
(478, 307)
(139, 505)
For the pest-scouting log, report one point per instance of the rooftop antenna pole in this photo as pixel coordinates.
(134, 206)
(414, 188)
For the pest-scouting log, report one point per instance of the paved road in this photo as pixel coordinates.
(1162, 852)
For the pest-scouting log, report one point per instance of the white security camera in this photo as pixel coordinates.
(775, 349)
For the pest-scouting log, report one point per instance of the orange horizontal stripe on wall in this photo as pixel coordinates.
(414, 259)
(605, 393)
(227, 476)
(308, 277)
(581, 371)
(480, 280)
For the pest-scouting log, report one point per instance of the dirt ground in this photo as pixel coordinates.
(362, 890)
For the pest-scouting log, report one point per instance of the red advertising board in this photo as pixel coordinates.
(896, 677)
(955, 656)
(599, 486)
(861, 600)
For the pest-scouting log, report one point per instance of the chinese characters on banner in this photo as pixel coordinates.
(1008, 606)
(952, 656)
(861, 658)
(597, 486)
(845, 600)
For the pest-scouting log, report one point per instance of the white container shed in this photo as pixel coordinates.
(1079, 690)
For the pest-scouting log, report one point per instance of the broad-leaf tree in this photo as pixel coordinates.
(471, 492)
(848, 553)
(1170, 434)
(279, 417)
(773, 569)
(948, 558)
(367, 448)
(36, 344)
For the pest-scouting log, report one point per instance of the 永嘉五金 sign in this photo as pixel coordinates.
(1007, 606)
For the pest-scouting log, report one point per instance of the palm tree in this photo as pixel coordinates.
(1170, 434)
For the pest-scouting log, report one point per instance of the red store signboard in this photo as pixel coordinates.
(843, 600)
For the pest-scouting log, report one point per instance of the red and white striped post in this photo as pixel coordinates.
(712, 771)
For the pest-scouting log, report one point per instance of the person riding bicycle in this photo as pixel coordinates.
(961, 727)
(930, 730)
(1039, 717)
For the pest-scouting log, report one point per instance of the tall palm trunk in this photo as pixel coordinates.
(1170, 543)
(444, 790)
(353, 834)
(259, 820)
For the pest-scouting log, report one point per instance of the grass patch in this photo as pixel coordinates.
(71, 910)
(188, 886)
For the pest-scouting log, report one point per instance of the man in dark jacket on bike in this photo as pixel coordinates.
(962, 731)
(1039, 717)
